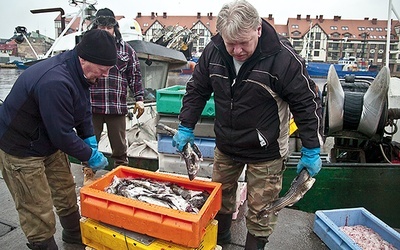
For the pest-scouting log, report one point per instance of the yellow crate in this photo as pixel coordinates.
(102, 236)
(292, 126)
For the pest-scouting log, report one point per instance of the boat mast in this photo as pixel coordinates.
(82, 14)
(308, 42)
(388, 32)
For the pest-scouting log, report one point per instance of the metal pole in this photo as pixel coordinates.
(30, 45)
(389, 25)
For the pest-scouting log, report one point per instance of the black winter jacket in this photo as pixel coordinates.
(252, 116)
(47, 102)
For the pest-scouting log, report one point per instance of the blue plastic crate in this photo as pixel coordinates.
(327, 223)
(206, 145)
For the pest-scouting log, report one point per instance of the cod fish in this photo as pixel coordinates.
(299, 186)
(191, 154)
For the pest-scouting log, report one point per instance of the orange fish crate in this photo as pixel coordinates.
(180, 227)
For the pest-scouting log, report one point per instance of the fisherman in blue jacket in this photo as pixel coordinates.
(258, 81)
(45, 117)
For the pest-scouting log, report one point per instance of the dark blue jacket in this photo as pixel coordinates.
(253, 107)
(48, 108)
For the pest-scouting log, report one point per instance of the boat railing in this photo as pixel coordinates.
(82, 13)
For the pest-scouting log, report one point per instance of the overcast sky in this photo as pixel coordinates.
(18, 13)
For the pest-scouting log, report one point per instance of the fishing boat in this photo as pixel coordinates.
(361, 156)
(357, 171)
(345, 66)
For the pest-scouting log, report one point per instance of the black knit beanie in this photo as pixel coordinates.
(98, 46)
(105, 12)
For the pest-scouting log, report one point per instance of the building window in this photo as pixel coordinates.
(201, 41)
(318, 36)
(345, 28)
(361, 28)
(335, 35)
(296, 33)
(296, 43)
(295, 26)
(317, 45)
(316, 53)
(334, 27)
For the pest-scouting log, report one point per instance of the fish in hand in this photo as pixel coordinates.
(299, 186)
(191, 153)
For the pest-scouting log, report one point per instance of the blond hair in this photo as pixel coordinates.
(236, 17)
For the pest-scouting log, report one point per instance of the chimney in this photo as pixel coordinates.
(139, 14)
(366, 18)
(335, 18)
(298, 17)
(152, 15)
(210, 16)
(321, 18)
(308, 18)
(198, 15)
(270, 17)
(374, 21)
(164, 15)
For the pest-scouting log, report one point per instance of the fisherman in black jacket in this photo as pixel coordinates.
(257, 80)
(45, 117)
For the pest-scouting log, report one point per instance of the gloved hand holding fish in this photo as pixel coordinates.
(309, 165)
(183, 140)
(299, 186)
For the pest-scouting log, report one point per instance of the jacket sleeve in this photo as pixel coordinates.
(58, 112)
(198, 92)
(134, 75)
(301, 93)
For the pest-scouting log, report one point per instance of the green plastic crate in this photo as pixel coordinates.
(169, 101)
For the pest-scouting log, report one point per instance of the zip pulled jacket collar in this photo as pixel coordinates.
(268, 45)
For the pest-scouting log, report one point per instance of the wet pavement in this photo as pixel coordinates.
(294, 229)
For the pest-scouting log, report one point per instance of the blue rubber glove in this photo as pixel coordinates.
(182, 137)
(92, 142)
(311, 160)
(97, 160)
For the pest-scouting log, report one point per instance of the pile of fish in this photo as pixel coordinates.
(159, 193)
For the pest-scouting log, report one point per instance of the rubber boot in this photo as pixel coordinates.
(88, 176)
(255, 243)
(49, 244)
(224, 228)
(71, 228)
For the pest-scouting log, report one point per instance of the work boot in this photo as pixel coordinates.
(88, 176)
(49, 244)
(255, 243)
(224, 228)
(71, 232)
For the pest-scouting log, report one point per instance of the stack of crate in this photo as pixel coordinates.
(169, 103)
(112, 221)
